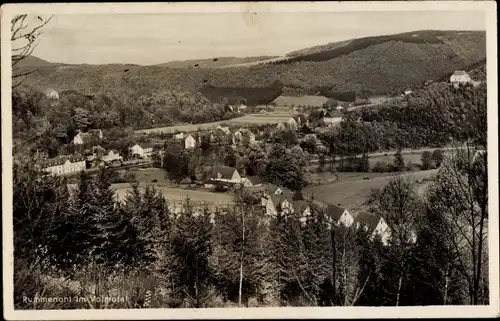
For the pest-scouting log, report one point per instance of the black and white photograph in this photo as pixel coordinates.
(236, 160)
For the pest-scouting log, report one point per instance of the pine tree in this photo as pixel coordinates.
(426, 160)
(192, 249)
(399, 163)
(364, 164)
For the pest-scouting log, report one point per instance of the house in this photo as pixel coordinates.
(239, 135)
(189, 142)
(52, 94)
(332, 117)
(280, 126)
(292, 123)
(112, 156)
(338, 215)
(271, 189)
(84, 138)
(302, 209)
(268, 190)
(407, 91)
(225, 130)
(460, 77)
(179, 136)
(64, 165)
(142, 150)
(252, 181)
(226, 174)
(373, 225)
(241, 108)
(278, 202)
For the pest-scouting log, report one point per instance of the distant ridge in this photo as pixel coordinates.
(216, 62)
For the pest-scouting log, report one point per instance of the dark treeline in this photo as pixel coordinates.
(359, 44)
(249, 96)
(432, 117)
(140, 250)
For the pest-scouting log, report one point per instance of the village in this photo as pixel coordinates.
(305, 121)
(163, 160)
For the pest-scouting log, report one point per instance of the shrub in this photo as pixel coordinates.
(380, 167)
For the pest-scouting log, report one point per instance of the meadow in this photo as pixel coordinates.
(351, 189)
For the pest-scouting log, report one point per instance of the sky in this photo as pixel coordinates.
(147, 39)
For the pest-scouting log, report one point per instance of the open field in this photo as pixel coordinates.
(351, 190)
(415, 158)
(249, 120)
(179, 195)
(150, 174)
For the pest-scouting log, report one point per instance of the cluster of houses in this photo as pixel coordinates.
(329, 118)
(279, 199)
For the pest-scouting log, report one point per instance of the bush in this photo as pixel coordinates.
(381, 167)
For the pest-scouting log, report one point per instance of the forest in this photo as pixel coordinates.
(237, 256)
(42, 123)
(435, 116)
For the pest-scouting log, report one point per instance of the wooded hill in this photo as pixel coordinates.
(374, 65)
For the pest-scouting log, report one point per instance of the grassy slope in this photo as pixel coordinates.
(379, 68)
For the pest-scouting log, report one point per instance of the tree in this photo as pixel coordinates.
(25, 33)
(364, 164)
(460, 198)
(426, 160)
(176, 163)
(437, 157)
(192, 249)
(399, 163)
(238, 249)
(283, 169)
(81, 118)
(401, 208)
